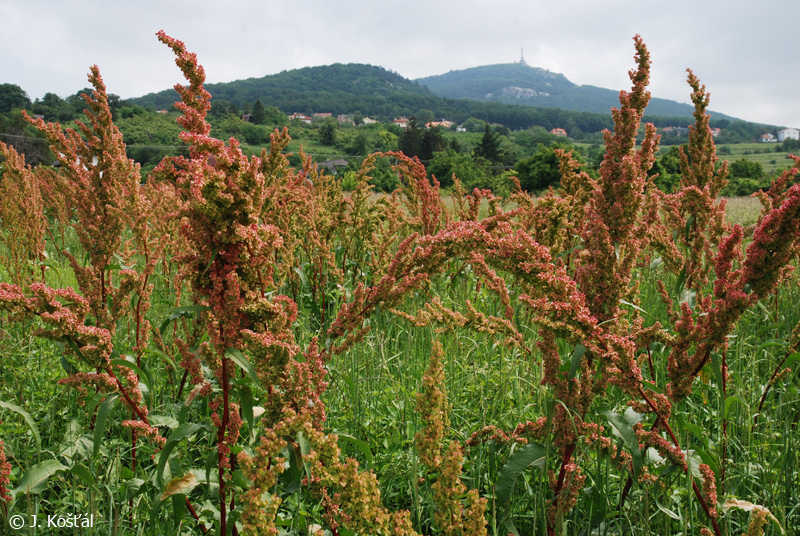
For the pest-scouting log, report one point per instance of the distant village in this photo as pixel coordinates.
(402, 122)
(785, 134)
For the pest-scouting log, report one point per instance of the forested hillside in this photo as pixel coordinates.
(517, 83)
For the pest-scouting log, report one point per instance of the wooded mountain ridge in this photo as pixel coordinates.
(377, 92)
(519, 83)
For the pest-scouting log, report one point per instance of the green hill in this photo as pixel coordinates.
(517, 83)
(338, 89)
(382, 94)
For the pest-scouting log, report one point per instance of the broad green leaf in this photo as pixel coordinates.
(730, 401)
(689, 224)
(77, 448)
(180, 312)
(303, 279)
(575, 361)
(179, 510)
(143, 376)
(521, 459)
(770, 344)
(67, 365)
(182, 432)
(34, 478)
(167, 359)
(623, 424)
(82, 472)
(652, 387)
(131, 488)
(240, 359)
(106, 409)
(246, 399)
(668, 512)
(791, 360)
(163, 420)
(629, 304)
(360, 445)
(28, 420)
(680, 281)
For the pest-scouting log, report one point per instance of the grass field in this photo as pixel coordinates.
(371, 405)
(762, 153)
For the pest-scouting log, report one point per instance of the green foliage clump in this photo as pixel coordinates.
(540, 171)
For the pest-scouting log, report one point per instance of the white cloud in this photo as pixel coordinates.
(743, 52)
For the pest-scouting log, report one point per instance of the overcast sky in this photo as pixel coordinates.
(744, 52)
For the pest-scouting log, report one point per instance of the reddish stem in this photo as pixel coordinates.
(128, 399)
(697, 492)
(565, 459)
(221, 447)
(702, 362)
(197, 517)
(789, 352)
(650, 361)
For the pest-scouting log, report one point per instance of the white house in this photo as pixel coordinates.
(788, 133)
(300, 117)
(401, 122)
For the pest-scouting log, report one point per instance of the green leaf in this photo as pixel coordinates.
(521, 459)
(246, 400)
(791, 360)
(82, 472)
(106, 408)
(575, 362)
(730, 401)
(163, 420)
(688, 229)
(652, 387)
(629, 304)
(28, 420)
(240, 359)
(679, 283)
(668, 512)
(182, 432)
(143, 376)
(360, 445)
(34, 479)
(303, 279)
(67, 365)
(180, 312)
(211, 260)
(623, 424)
(770, 344)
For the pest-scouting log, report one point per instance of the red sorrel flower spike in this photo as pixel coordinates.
(5, 471)
(21, 209)
(195, 100)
